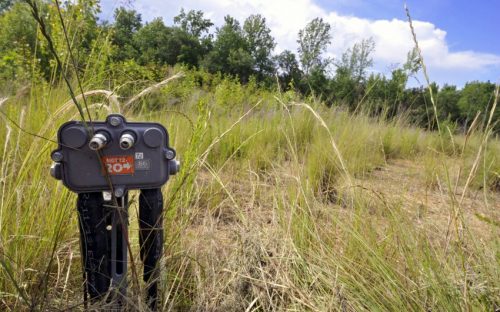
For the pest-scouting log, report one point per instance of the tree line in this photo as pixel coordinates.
(245, 50)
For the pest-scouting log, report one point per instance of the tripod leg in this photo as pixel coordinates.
(94, 244)
(151, 240)
(118, 250)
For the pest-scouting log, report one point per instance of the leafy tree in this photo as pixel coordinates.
(192, 36)
(356, 60)
(230, 53)
(375, 93)
(83, 28)
(351, 72)
(345, 87)
(313, 41)
(260, 44)
(5, 5)
(240, 64)
(18, 30)
(193, 22)
(288, 69)
(447, 103)
(160, 44)
(318, 85)
(477, 97)
(152, 42)
(23, 54)
(127, 24)
(416, 104)
(395, 92)
(413, 62)
(18, 44)
(182, 47)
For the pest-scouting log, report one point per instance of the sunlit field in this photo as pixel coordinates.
(288, 199)
(280, 204)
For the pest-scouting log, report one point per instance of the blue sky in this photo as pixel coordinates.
(470, 25)
(459, 39)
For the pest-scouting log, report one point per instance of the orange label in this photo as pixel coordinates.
(117, 165)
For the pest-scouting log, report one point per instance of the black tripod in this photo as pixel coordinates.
(103, 238)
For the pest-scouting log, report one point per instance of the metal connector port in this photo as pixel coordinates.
(98, 141)
(127, 140)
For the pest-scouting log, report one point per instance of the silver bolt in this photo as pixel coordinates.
(115, 121)
(55, 171)
(107, 196)
(119, 192)
(174, 167)
(169, 154)
(57, 156)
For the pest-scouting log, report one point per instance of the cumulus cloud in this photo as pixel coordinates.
(285, 18)
(393, 40)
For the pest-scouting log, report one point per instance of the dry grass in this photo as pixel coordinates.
(278, 207)
(404, 182)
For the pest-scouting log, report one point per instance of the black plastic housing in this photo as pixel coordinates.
(146, 165)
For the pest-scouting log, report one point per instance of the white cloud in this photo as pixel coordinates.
(393, 41)
(285, 18)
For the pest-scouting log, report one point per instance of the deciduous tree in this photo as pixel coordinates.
(152, 42)
(288, 69)
(230, 53)
(313, 40)
(477, 97)
(193, 22)
(260, 44)
(127, 23)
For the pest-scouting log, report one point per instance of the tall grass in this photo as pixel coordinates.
(281, 204)
(262, 215)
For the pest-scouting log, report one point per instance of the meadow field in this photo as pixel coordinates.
(306, 183)
(282, 204)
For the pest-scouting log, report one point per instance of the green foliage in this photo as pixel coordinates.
(156, 43)
(242, 51)
(22, 49)
(82, 26)
(13, 67)
(18, 45)
(395, 89)
(193, 23)
(447, 100)
(129, 77)
(229, 94)
(319, 86)
(127, 49)
(477, 97)
(313, 41)
(288, 68)
(127, 23)
(357, 60)
(260, 44)
(152, 42)
(5, 4)
(413, 63)
(180, 92)
(188, 48)
(230, 53)
(275, 169)
(18, 30)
